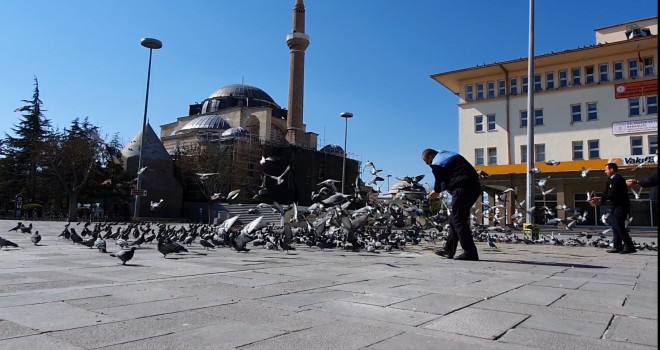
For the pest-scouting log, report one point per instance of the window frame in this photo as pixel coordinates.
(634, 147)
(632, 107)
(651, 106)
(478, 123)
(648, 66)
(563, 81)
(589, 78)
(602, 73)
(652, 143)
(538, 115)
(617, 72)
(524, 86)
(633, 68)
(469, 92)
(576, 76)
(523, 153)
(539, 149)
(575, 113)
(575, 150)
(488, 122)
(595, 149)
(538, 82)
(592, 114)
(501, 87)
(488, 152)
(490, 86)
(480, 91)
(477, 159)
(513, 86)
(549, 80)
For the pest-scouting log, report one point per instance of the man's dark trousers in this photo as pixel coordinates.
(459, 219)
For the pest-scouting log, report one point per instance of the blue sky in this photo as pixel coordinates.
(373, 58)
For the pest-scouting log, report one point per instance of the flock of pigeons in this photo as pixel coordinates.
(335, 220)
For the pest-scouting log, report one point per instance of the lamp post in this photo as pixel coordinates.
(344, 115)
(151, 44)
(388, 182)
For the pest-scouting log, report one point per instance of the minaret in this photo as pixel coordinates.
(297, 43)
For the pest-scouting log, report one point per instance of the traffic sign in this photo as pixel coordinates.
(138, 192)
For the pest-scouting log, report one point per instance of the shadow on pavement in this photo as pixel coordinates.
(547, 263)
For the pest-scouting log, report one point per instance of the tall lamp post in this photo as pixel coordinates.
(388, 182)
(151, 44)
(345, 115)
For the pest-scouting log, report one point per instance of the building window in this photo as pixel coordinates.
(550, 80)
(491, 122)
(539, 153)
(653, 144)
(523, 119)
(592, 111)
(478, 156)
(480, 91)
(502, 87)
(578, 150)
(603, 70)
(633, 107)
(491, 89)
(652, 104)
(632, 68)
(594, 149)
(576, 113)
(514, 86)
(523, 154)
(538, 83)
(589, 77)
(563, 78)
(492, 156)
(618, 70)
(538, 117)
(469, 92)
(478, 123)
(576, 79)
(648, 67)
(636, 146)
(525, 83)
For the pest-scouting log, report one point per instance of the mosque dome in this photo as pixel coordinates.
(237, 95)
(212, 121)
(235, 132)
(333, 149)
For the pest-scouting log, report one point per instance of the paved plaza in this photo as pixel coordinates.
(58, 295)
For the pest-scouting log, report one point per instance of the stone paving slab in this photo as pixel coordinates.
(517, 297)
(632, 329)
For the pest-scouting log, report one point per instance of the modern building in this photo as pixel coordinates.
(592, 104)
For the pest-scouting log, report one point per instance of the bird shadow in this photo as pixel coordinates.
(546, 263)
(135, 265)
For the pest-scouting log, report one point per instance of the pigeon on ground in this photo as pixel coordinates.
(26, 229)
(206, 244)
(19, 225)
(100, 244)
(6, 243)
(124, 255)
(35, 238)
(170, 248)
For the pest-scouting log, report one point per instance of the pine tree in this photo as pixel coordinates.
(22, 155)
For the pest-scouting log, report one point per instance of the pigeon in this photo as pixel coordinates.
(280, 179)
(6, 243)
(206, 244)
(636, 193)
(535, 170)
(100, 245)
(268, 159)
(584, 171)
(491, 243)
(35, 238)
(124, 255)
(204, 176)
(170, 248)
(552, 162)
(26, 229)
(155, 205)
(482, 174)
(19, 225)
(142, 170)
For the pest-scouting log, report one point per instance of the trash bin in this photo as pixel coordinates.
(531, 231)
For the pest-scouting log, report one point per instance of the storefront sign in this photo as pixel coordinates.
(635, 126)
(637, 160)
(636, 88)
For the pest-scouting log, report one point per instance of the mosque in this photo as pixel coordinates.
(231, 130)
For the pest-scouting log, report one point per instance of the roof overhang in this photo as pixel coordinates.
(453, 80)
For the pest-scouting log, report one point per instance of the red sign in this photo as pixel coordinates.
(138, 192)
(636, 88)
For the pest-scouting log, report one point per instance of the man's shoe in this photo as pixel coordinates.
(628, 250)
(466, 256)
(615, 250)
(444, 253)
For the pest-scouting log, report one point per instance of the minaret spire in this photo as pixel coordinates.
(297, 41)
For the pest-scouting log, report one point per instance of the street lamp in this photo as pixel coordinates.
(151, 44)
(388, 182)
(344, 115)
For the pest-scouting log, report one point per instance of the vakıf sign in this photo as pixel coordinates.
(637, 160)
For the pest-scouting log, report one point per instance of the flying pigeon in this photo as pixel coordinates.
(269, 159)
(204, 176)
(552, 162)
(584, 171)
(142, 170)
(535, 170)
(280, 179)
(155, 205)
(636, 193)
